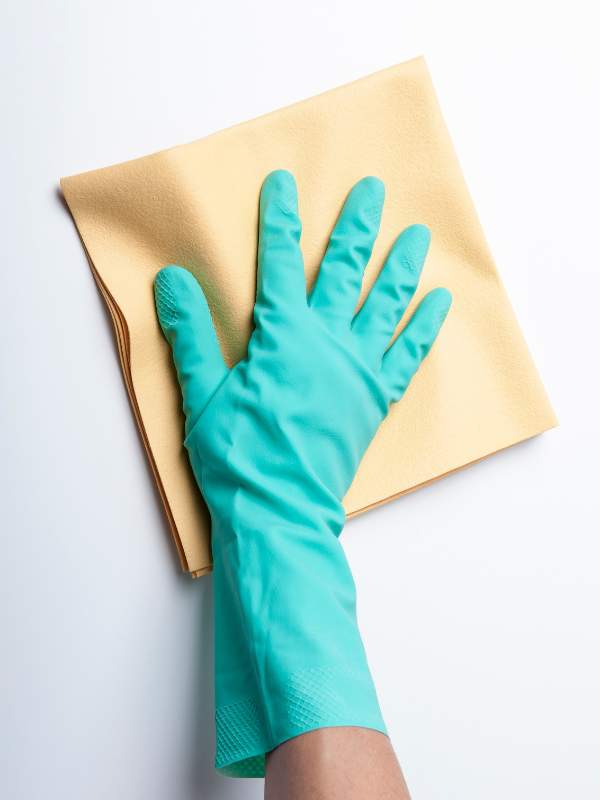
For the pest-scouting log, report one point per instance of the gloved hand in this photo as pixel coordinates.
(274, 443)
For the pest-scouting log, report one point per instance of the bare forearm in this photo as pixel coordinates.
(344, 763)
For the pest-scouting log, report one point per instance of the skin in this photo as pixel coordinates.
(335, 764)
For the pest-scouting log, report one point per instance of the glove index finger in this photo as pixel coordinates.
(280, 279)
(186, 322)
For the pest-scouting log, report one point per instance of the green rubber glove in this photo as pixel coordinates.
(274, 443)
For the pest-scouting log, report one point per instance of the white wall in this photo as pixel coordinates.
(479, 595)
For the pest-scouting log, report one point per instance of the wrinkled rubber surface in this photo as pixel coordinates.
(274, 444)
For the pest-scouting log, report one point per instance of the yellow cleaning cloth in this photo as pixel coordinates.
(197, 205)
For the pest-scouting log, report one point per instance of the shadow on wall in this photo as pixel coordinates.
(205, 783)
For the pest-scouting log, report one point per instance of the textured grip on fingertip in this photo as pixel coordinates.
(165, 300)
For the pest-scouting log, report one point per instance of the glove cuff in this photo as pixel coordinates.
(319, 696)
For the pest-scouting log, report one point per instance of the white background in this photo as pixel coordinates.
(478, 596)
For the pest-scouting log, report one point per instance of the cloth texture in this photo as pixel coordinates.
(197, 205)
